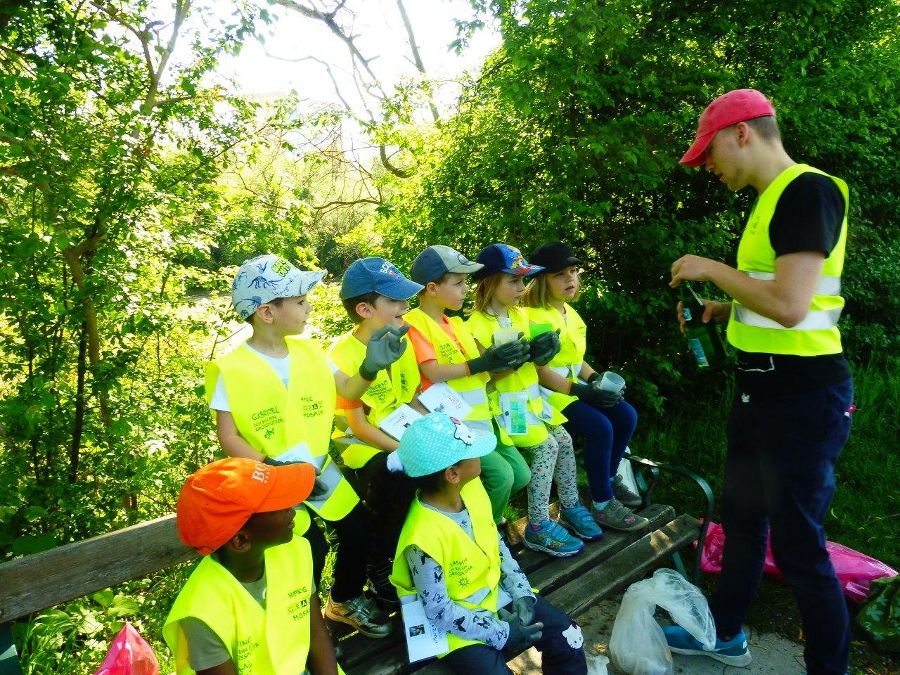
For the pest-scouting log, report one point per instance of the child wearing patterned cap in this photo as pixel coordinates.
(274, 396)
(451, 555)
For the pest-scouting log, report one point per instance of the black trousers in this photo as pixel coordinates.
(353, 533)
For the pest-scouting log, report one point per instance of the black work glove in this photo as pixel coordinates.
(524, 608)
(522, 636)
(319, 487)
(544, 347)
(384, 347)
(496, 358)
(606, 399)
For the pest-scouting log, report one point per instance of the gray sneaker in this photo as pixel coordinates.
(616, 516)
(362, 613)
(624, 494)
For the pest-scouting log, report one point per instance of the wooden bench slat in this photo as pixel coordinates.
(544, 572)
(42, 580)
(626, 566)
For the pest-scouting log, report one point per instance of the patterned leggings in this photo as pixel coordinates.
(552, 459)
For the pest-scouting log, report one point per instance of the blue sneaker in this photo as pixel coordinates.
(734, 652)
(553, 539)
(581, 523)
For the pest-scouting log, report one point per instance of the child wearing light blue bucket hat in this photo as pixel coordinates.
(452, 557)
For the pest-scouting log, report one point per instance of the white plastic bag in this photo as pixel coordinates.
(626, 471)
(637, 645)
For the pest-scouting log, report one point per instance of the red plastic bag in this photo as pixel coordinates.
(855, 570)
(129, 654)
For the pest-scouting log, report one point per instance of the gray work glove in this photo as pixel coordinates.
(496, 358)
(522, 636)
(385, 346)
(544, 347)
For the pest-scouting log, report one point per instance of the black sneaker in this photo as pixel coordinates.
(362, 614)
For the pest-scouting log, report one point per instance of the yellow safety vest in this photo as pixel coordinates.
(273, 418)
(521, 381)
(471, 388)
(818, 333)
(269, 641)
(391, 388)
(469, 566)
(573, 344)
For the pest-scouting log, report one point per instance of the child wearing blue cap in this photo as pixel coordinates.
(520, 410)
(375, 295)
(451, 555)
(274, 396)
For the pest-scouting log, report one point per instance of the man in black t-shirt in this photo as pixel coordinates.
(793, 397)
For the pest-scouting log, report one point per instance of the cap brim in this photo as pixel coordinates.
(525, 270)
(465, 268)
(307, 280)
(293, 484)
(400, 289)
(482, 444)
(696, 154)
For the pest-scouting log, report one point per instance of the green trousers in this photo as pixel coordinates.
(503, 472)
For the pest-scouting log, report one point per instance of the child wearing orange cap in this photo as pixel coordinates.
(250, 605)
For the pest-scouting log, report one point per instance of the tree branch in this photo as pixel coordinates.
(417, 59)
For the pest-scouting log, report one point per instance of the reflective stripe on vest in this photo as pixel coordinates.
(817, 333)
(471, 567)
(273, 418)
(268, 641)
(523, 380)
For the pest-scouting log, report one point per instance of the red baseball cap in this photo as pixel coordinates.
(738, 105)
(217, 500)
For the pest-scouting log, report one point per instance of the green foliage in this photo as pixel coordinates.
(130, 188)
(576, 124)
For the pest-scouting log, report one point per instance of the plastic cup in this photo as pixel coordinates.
(612, 382)
(503, 335)
(539, 328)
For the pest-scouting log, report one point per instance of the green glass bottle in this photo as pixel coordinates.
(703, 338)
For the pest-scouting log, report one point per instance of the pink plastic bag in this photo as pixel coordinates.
(129, 654)
(855, 570)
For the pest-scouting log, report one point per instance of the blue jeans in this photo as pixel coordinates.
(779, 476)
(605, 433)
(560, 645)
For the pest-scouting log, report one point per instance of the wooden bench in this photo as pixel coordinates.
(42, 580)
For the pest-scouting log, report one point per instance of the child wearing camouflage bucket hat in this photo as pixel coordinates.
(451, 555)
(274, 396)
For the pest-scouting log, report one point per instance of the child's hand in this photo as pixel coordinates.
(544, 347)
(497, 358)
(524, 609)
(522, 636)
(385, 346)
